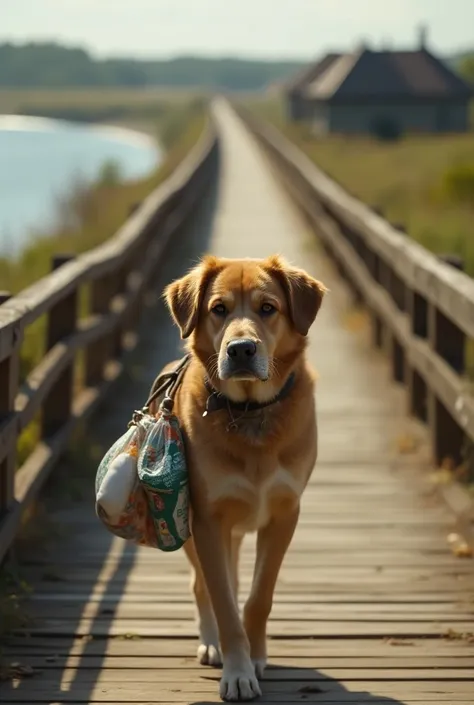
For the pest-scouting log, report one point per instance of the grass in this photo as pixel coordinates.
(125, 106)
(421, 182)
(97, 211)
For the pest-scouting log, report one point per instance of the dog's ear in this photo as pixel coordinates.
(184, 296)
(304, 294)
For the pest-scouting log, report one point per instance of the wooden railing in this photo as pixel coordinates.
(422, 309)
(117, 275)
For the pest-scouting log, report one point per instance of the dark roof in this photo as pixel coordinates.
(366, 73)
(311, 72)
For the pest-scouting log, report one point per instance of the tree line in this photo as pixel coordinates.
(51, 65)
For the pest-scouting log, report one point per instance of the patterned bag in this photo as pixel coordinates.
(142, 482)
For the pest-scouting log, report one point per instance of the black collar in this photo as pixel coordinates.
(217, 401)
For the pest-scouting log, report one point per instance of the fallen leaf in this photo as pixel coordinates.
(392, 641)
(462, 550)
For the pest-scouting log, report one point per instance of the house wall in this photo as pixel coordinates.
(320, 118)
(424, 117)
(298, 109)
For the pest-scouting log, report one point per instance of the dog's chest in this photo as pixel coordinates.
(248, 504)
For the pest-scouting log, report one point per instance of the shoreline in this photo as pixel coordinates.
(129, 132)
(16, 235)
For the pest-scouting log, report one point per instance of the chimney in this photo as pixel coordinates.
(422, 36)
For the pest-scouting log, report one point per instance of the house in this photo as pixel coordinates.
(380, 92)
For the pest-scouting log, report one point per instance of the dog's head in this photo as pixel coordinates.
(247, 320)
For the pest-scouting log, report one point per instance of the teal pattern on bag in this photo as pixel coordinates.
(163, 475)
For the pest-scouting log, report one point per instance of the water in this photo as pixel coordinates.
(40, 159)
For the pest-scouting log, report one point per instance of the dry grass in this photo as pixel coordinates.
(11, 101)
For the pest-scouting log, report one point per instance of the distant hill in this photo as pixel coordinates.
(50, 65)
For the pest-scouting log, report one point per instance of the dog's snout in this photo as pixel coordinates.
(241, 349)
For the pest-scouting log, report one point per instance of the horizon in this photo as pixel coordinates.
(222, 57)
(259, 31)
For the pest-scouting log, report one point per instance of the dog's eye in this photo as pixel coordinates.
(219, 310)
(267, 309)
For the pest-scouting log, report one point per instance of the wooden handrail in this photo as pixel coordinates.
(118, 274)
(422, 309)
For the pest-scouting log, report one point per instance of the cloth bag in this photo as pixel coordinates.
(142, 491)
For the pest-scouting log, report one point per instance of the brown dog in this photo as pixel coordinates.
(247, 411)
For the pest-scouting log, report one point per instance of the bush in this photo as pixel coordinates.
(173, 123)
(458, 184)
(110, 173)
(386, 129)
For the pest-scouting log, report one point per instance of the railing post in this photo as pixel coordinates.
(417, 307)
(102, 350)
(9, 379)
(449, 342)
(119, 286)
(62, 320)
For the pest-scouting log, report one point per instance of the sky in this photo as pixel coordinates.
(252, 28)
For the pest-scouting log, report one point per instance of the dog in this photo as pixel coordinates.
(247, 411)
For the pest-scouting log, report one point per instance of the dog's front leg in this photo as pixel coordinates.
(238, 681)
(272, 543)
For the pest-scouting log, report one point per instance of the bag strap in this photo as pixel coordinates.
(169, 383)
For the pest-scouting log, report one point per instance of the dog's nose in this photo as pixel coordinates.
(241, 349)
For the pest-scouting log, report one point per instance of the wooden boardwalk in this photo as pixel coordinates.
(371, 607)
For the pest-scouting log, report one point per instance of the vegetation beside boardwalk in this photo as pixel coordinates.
(90, 214)
(424, 182)
(139, 106)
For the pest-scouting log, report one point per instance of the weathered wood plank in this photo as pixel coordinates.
(277, 628)
(99, 676)
(317, 648)
(171, 691)
(414, 667)
(163, 610)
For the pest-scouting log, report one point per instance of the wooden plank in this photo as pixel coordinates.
(170, 691)
(185, 699)
(69, 593)
(101, 676)
(296, 557)
(316, 648)
(277, 628)
(281, 611)
(363, 667)
(9, 380)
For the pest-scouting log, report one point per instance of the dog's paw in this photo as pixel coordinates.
(239, 683)
(209, 655)
(259, 665)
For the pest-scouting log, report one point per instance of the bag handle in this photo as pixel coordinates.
(169, 383)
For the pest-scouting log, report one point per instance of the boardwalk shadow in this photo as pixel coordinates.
(80, 579)
(290, 684)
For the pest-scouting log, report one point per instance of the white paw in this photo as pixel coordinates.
(209, 655)
(239, 683)
(259, 665)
